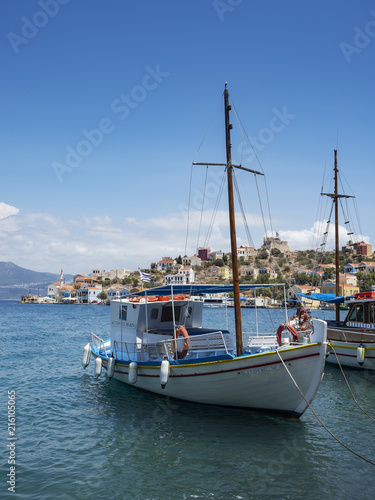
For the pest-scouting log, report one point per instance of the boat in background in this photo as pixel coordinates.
(157, 344)
(351, 342)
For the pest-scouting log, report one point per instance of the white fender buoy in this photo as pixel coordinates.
(86, 356)
(360, 355)
(98, 367)
(111, 367)
(164, 372)
(133, 372)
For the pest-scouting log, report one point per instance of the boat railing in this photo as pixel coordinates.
(98, 344)
(204, 345)
(264, 340)
(96, 341)
(128, 350)
(210, 342)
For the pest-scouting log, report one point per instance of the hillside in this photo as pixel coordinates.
(16, 281)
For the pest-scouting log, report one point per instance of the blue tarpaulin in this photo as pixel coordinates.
(324, 297)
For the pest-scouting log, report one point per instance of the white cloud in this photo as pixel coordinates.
(307, 239)
(7, 210)
(45, 242)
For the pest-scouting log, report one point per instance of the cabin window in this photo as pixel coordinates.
(123, 313)
(372, 313)
(167, 315)
(356, 314)
(154, 313)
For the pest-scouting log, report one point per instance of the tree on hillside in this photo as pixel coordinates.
(365, 281)
(302, 279)
(219, 263)
(329, 273)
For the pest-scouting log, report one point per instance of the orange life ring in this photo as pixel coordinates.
(180, 297)
(303, 312)
(290, 329)
(181, 330)
(134, 299)
(151, 298)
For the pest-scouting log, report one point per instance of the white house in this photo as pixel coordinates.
(185, 276)
(245, 251)
(191, 261)
(114, 273)
(269, 271)
(175, 279)
(53, 289)
(165, 263)
(88, 295)
(216, 255)
(249, 271)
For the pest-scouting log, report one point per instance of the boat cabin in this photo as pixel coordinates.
(144, 331)
(362, 311)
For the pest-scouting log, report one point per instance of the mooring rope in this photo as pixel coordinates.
(347, 383)
(325, 427)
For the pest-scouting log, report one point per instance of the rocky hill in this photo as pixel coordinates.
(16, 281)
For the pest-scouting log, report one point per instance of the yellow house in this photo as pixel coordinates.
(225, 272)
(345, 289)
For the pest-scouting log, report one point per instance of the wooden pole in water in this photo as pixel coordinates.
(232, 225)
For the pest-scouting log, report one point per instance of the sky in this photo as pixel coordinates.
(105, 106)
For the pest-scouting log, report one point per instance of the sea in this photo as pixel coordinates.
(75, 436)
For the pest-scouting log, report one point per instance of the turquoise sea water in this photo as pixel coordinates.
(79, 437)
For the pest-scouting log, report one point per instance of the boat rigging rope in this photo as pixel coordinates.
(248, 234)
(246, 137)
(188, 210)
(215, 210)
(203, 200)
(319, 420)
(347, 383)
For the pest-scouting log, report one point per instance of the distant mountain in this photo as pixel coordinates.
(16, 281)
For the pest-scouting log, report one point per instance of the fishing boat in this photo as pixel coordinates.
(351, 342)
(157, 344)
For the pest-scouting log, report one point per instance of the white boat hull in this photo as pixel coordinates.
(257, 382)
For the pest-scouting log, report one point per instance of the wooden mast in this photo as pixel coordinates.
(232, 225)
(337, 258)
(335, 197)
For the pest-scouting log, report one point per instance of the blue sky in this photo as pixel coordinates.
(105, 104)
